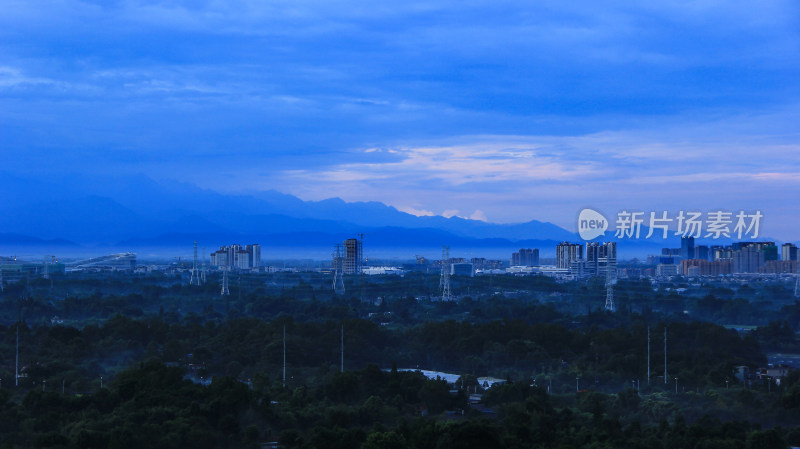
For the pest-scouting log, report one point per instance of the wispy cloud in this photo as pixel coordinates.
(414, 211)
(457, 165)
(11, 77)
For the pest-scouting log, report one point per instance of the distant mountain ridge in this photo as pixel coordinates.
(109, 210)
(128, 213)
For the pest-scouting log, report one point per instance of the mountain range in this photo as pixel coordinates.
(92, 214)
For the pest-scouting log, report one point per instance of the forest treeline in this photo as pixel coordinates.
(154, 405)
(151, 362)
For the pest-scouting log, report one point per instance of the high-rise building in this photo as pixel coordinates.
(687, 248)
(750, 257)
(788, 252)
(701, 252)
(219, 258)
(770, 251)
(719, 252)
(713, 251)
(747, 259)
(780, 266)
(233, 251)
(599, 256)
(525, 257)
(353, 253)
(237, 256)
(243, 260)
(254, 255)
(567, 253)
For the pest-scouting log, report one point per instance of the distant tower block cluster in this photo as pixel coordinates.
(237, 257)
(599, 259)
(526, 257)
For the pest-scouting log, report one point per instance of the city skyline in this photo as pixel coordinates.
(347, 224)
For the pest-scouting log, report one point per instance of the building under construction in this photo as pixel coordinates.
(353, 256)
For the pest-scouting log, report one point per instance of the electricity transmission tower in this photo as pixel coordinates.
(796, 282)
(338, 269)
(796, 287)
(195, 279)
(611, 279)
(444, 279)
(224, 291)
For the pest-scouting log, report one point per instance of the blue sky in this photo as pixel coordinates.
(506, 111)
